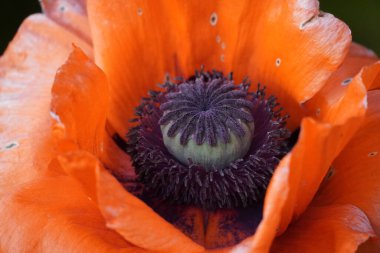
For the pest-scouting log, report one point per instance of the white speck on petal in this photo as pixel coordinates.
(240, 248)
(278, 62)
(372, 154)
(56, 117)
(365, 102)
(113, 211)
(223, 45)
(346, 81)
(213, 19)
(139, 11)
(218, 39)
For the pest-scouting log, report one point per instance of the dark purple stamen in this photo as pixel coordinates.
(206, 107)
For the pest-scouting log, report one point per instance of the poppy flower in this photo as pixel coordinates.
(72, 81)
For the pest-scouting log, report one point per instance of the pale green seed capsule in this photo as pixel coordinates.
(218, 156)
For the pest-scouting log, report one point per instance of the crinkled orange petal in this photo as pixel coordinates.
(337, 228)
(27, 70)
(291, 47)
(80, 165)
(80, 102)
(137, 222)
(354, 177)
(54, 214)
(372, 76)
(86, 169)
(135, 44)
(139, 42)
(359, 50)
(357, 58)
(125, 213)
(79, 105)
(71, 14)
(116, 160)
(300, 173)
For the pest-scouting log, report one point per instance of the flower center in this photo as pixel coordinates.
(207, 142)
(207, 122)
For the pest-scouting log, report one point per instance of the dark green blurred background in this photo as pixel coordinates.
(363, 17)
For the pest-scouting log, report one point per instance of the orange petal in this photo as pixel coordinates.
(133, 50)
(71, 14)
(340, 228)
(27, 70)
(300, 173)
(338, 83)
(291, 47)
(359, 50)
(372, 76)
(136, 53)
(244, 37)
(80, 102)
(137, 222)
(115, 159)
(125, 213)
(354, 177)
(80, 165)
(53, 214)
